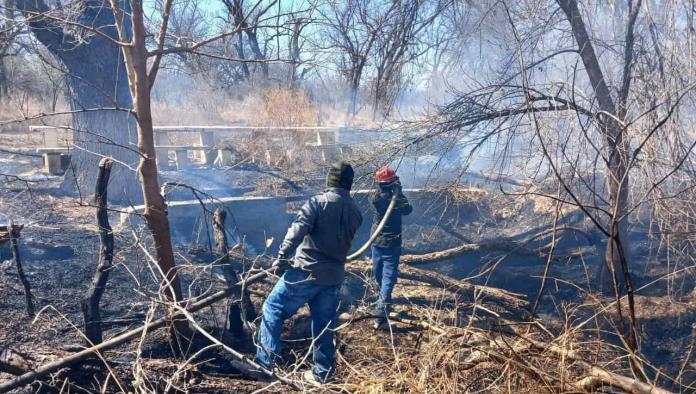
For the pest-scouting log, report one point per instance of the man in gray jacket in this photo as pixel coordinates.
(320, 239)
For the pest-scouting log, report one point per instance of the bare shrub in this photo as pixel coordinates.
(285, 107)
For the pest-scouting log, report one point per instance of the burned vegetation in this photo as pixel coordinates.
(347, 196)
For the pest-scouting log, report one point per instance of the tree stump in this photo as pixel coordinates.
(240, 312)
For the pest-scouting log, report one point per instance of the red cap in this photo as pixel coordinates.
(385, 175)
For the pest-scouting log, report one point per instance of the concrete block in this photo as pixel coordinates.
(207, 138)
(65, 159)
(182, 160)
(224, 158)
(162, 158)
(327, 137)
(53, 163)
(252, 219)
(162, 138)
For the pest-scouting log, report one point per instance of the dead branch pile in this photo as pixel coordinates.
(479, 357)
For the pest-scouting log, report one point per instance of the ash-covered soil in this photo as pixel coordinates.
(60, 253)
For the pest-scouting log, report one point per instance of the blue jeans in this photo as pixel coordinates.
(385, 268)
(292, 291)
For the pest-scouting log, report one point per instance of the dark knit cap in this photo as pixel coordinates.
(340, 175)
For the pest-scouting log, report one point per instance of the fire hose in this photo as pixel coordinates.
(377, 231)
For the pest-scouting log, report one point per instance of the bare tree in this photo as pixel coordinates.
(399, 44)
(249, 25)
(354, 27)
(592, 144)
(8, 32)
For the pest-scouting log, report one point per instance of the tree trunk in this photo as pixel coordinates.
(258, 54)
(96, 79)
(353, 99)
(101, 82)
(90, 304)
(242, 56)
(617, 180)
(3, 77)
(617, 257)
(6, 41)
(155, 211)
(294, 49)
(378, 92)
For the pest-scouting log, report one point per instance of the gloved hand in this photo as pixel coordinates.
(396, 187)
(281, 264)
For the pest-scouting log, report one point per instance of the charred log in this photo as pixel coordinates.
(90, 304)
(512, 301)
(13, 235)
(241, 312)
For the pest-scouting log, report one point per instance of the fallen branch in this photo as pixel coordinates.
(497, 245)
(513, 301)
(239, 356)
(596, 377)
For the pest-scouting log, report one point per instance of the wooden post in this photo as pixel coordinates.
(13, 233)
(326, 137)
(239, 311)
(90, 304)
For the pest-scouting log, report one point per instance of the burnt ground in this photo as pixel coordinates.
(60, 249)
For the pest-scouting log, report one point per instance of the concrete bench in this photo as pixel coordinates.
(55, 160)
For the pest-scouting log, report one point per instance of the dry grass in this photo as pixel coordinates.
(283, 107)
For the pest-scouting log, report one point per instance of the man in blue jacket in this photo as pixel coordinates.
(320, 239)
(386, 250)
